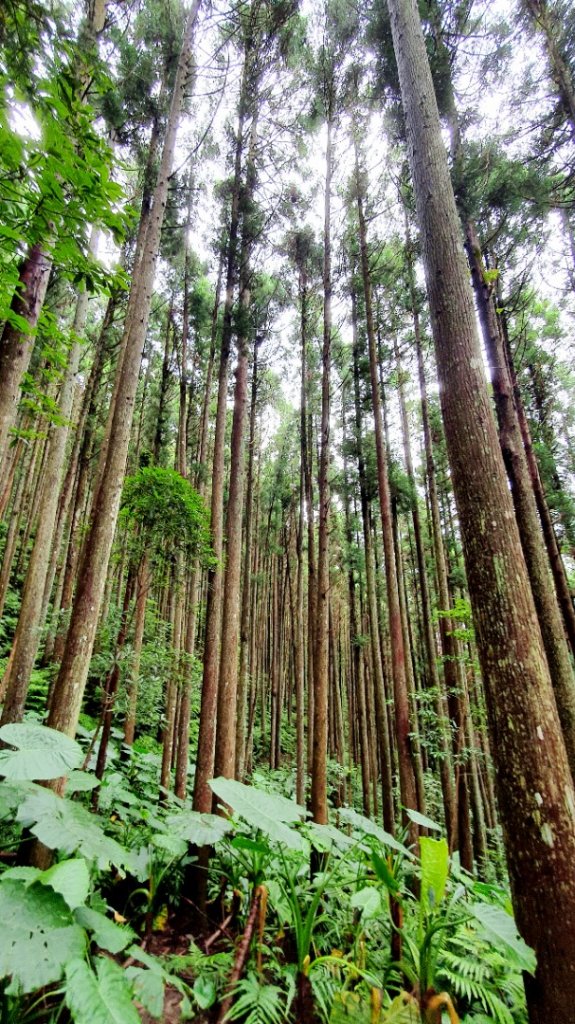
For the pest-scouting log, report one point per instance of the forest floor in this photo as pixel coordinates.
(170, 942)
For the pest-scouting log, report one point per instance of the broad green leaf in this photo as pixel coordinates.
(326, 837)
(81, 782)
(22, 873)
(268, 812)
(241, 842)
(114, 792)
(403, 1010)
(71, 879)
(107, 934)
(368, 900)
(359, 1008)
(501, 930)
(39, 935)
(199, 829)
(63, 825)
(173, 845)
(422, 820)
(350, 1006)
(41, 753)
(102, 998)
(434, 871)
(148, 989)
(371, 829)
(204, 992)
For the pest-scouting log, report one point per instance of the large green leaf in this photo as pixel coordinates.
(268, 812)
(63, 825)
(106, 933)
(327, 837)
(200, 829)
(102, 998)
(434, 871)
(422, 820)
(371, 829)
(368, 901)
(148, 989)
(39, 934)
(70, 878)
(501, 930)
(41, 753)
(81, 782)
(11, 796)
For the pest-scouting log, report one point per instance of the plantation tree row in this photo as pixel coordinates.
(287, 442)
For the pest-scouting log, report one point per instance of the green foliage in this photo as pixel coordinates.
(334, 927)
(100, 997)
(170, 514)
(63, 825)
(267, 812)
(258, 1003)
(39, 935)
(41, 753)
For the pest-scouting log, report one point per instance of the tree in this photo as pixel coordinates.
(73, 672)
(535, 789)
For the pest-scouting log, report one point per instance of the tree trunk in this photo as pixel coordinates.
(71, 680)
(524, 500)
(31, 615)
(15, 344)
(535, 789)
(402, 723)
(203, 795)
(321, 652)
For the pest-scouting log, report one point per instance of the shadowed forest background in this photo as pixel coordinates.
(287, 511)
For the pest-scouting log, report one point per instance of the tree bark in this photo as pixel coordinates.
(15, 344)
(321, 652)
(535, 789)
(73, 673)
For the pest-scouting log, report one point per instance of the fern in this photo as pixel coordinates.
(261, 1004)
(324, 985)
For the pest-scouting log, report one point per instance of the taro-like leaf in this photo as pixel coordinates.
(370, 828)
(39, 935)
(422, 820)
(101, 998)
(41, 753)
(63, 825)
(107, 934)
(269, 812)
(500, 929)
(70, 878)
(148, 989)
(434, 871)
(199, 829)
(368, 901)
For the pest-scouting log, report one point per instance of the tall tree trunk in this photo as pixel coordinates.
(399, 674)
(445, 765)
(535, 788)
(16, 345)
(524, 499)
(71, 679)
(209, 701)
(31, 617)
(225, 757)
(246, 621)
(321, 653)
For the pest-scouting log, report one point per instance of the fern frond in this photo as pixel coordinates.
(256, 1003)
(324, 986)
(476, 990)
